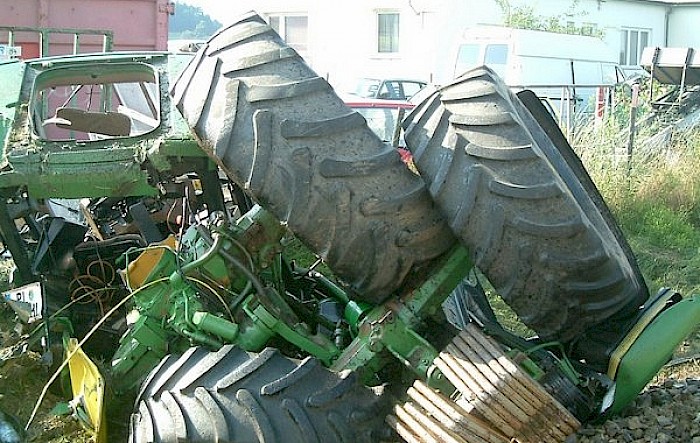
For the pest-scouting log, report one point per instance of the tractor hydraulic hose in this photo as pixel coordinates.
(177, 277)
(241, 267)
(216, 248)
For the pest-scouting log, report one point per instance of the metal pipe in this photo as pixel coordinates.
(211, 252)
(667, 20)
(177, 277)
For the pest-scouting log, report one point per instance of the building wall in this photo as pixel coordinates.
(342, 35)
(682, 27)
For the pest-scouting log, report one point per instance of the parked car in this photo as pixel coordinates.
(387, 89)
(184, 46)
(383, 116)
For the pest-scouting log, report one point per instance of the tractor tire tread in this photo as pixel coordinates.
(533, 222)
(279, 131)
(254, 397)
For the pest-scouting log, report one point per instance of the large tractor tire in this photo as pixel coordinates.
(524, 207)
(232, 395)
(280, 132)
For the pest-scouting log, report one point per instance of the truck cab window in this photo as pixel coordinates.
(467, 58)
(496, 57)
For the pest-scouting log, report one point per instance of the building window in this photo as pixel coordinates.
(588, 28)
(632, 43)
(387, 32)
(292, 28)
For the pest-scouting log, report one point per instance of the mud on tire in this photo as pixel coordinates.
(232, 395)
(546, 241)
(281, 133)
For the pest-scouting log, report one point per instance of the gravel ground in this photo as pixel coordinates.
(663, 413)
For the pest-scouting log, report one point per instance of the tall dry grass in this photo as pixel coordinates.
(654, 194)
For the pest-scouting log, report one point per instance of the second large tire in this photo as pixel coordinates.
(280, 132)
(528, 213)
(231, 395)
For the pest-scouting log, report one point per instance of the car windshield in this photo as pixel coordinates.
(95, 103)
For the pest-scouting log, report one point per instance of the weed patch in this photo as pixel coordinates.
(654, 195)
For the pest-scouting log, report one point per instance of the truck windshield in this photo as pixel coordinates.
(467, 58)
(496, 58)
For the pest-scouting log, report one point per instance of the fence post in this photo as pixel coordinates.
(600, 103)
(633, 125)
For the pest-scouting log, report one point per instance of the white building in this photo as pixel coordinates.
(414, 38)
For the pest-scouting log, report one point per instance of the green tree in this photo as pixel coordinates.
(190, 22)
(525, 17)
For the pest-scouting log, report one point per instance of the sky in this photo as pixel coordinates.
(222, 11)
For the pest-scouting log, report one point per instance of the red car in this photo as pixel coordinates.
(387, 89)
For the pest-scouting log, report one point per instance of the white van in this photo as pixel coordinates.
(551, 64)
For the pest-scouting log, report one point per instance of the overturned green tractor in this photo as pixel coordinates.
(161, 224)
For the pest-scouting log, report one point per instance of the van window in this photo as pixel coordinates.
(467, 58)
(496, 55)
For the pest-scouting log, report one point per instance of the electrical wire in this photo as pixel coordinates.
(90, 281)
(167, 217)
(89, 334)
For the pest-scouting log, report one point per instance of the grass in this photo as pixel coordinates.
(655, 198)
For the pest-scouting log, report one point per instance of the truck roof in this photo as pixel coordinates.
(528, 42)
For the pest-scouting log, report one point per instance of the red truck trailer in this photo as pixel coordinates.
(58, 27)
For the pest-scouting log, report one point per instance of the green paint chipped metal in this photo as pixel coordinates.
(47, 155)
